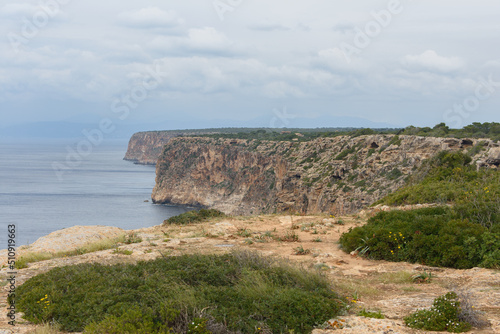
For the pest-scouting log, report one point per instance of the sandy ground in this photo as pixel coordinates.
(375, 285)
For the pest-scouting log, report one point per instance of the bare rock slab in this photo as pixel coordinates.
(75, 237)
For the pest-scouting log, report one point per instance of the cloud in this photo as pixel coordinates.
(246, 77)
(344, 27)
(335, 60)
(267, 27)
(205, 41)
(282, 89)
(150, 17)
(263, 52)
(13, 10)
(432, 62)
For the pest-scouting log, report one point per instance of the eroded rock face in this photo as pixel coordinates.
(494, 157)
(226, 175)
(338, 175)
(145, 147)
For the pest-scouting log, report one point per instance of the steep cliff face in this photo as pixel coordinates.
(145, 147)
(334, 175)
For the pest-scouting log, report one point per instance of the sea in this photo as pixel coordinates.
(44, 188)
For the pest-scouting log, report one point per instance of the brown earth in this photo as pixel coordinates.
(374, 285)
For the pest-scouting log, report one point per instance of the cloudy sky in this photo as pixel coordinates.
(195, 63)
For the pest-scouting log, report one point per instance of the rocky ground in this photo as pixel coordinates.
(374, 285)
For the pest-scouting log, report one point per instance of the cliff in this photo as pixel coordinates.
(338, 175)
(145, 147)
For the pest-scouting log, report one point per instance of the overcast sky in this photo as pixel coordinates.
(248, 63)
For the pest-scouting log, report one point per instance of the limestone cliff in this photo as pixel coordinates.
(145, 147)
(334, 175)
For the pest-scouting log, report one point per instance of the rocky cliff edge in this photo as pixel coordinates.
(338, 175)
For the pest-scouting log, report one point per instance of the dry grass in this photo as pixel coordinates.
(410, 289)
(398, 277)
(47, 328)
(468, 312)
(289, 237)
(32, 257)
(351, 286)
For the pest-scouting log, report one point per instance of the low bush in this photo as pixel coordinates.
(448, 178)
(194, 216)
(342, 155)
(442, 316)
(431, 236)
(132, 238)
(462, 235)
(371, 314)
(123, 251)
(241, 291)
(301, 251)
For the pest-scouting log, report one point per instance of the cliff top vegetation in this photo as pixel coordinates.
(464, 232)
(474, 130)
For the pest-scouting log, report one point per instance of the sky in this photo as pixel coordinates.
(152, 65)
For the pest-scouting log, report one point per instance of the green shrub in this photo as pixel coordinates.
(394, 174)
(448, 178)
(463, 236)
(432, 236)
(442, 316)
(395, 141)
(241, 289)
(129, 318)
(371, 314)
(346, 189)
(132, 238)
(194, 216)
(198, 326)
(342, 155)
(301, 251)
(123, 251)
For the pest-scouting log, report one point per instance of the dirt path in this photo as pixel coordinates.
(374, 285)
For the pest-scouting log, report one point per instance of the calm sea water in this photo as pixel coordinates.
(103, 190)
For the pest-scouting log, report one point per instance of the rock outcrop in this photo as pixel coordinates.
(144, 148)
(74, 237)
(337, 175)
